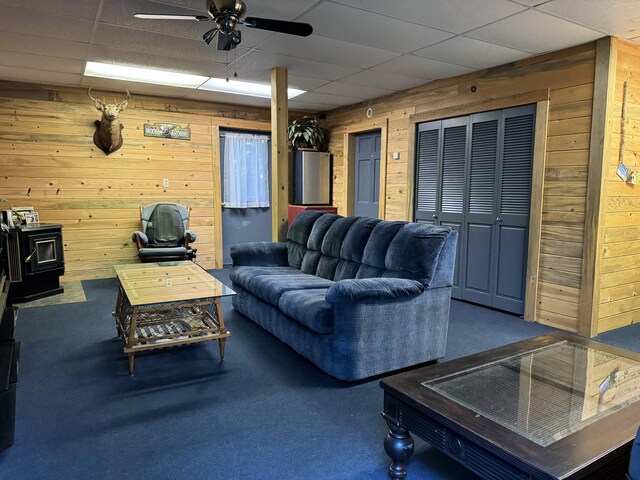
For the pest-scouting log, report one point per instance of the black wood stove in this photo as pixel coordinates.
(36, 261)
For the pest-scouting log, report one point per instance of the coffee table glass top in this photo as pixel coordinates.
(163, 282)
(548, 393)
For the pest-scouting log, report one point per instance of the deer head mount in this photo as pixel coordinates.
(108, 134)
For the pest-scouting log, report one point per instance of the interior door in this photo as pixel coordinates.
(240, 225)
(513, 204)
(367, 175)
(481, 209)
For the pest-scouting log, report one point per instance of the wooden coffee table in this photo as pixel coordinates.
(553, 407)
(168, 304)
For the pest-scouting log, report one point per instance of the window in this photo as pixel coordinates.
(246, 171)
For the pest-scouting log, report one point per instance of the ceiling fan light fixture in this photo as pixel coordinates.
(244, 88)
(143, 75)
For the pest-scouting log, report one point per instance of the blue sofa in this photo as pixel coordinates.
(356, 296)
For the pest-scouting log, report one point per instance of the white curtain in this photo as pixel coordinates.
(246, 171)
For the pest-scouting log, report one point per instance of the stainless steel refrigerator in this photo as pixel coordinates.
(311, 178)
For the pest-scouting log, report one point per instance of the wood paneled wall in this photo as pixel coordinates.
(619, 275)
(567, 79)
(48, 161)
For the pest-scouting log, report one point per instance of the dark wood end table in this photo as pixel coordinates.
(552, 407)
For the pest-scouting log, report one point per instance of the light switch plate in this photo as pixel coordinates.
(168, 282)
(396, 155)
(165, 183)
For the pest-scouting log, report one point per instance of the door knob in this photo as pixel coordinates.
(434, 216)
(498, 219)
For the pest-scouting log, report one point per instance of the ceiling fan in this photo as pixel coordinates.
(228, 14)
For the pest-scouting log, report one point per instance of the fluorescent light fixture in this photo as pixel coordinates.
(143, 75)
(244, 88)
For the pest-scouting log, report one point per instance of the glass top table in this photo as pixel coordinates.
(548, 393)
(557, 406)
(168, 304)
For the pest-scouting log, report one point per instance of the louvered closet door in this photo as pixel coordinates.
(480, 209)
(451, 192)
(428, 153)
(474, 174)
(429, 170)
(513, 203)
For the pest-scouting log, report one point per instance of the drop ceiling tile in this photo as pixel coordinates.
(454, 16)
(229, 98)
(244, 74)
(351, 90)
(412, 66)
(620, 18)
(40, 62)
(358, 26)
(20, 20)
(258, 59)
(52, 47)
(39, 76)
(106, 54)
(328, 50)
(535, 32)
(328, 100)
(158, 44)
(85, 9)
(388, 81)
(471, 52)
(307, 106)
(306, 83)
(531, 3)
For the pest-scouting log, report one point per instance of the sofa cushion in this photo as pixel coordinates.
(424, 242)
(243, 275)
(308, 307)
(271, 287)
(298, 236)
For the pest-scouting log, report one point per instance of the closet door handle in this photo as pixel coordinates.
(498, 220)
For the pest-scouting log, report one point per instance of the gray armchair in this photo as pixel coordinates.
(164, 234)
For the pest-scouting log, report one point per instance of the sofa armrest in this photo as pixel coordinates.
(190, 236)
(140, 238)
(354, 290)
(260, 254)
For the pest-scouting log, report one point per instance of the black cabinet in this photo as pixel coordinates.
(36, 261)
(9, 353)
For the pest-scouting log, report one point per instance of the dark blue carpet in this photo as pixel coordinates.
(265, 413)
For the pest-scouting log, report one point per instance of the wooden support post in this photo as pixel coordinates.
(603, 98)
(279, 154)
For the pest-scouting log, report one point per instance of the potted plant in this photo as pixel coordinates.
(306, 133)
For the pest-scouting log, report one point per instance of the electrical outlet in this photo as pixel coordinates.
(168, 282)
(165, 183)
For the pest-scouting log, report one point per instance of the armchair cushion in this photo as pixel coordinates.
(164, 234)
(162, 252)
(373, 289)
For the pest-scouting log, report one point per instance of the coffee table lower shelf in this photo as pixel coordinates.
(155, 326)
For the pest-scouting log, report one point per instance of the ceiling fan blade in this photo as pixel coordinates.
(281, 26)
(163, 16)
(210, 35)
